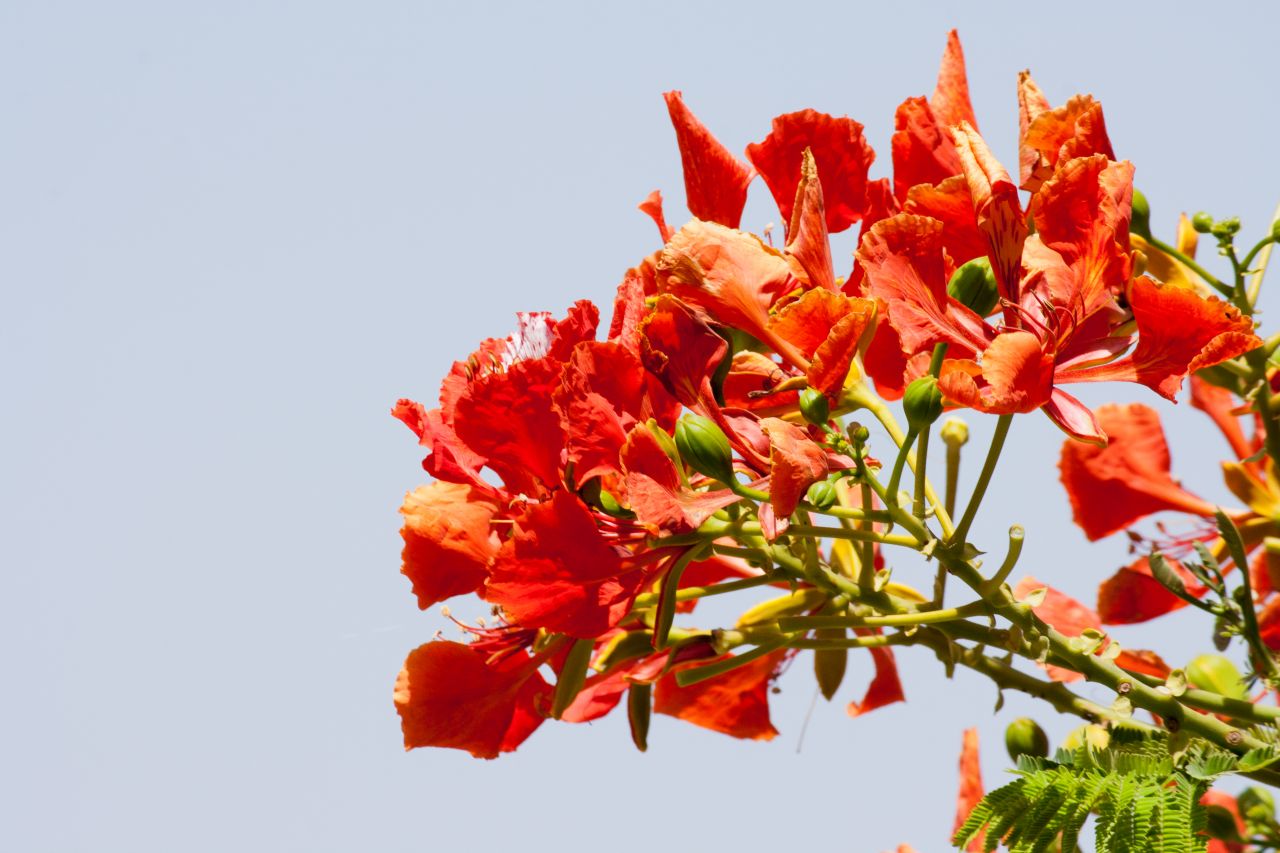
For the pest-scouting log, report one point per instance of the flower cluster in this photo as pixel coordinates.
(591, 484)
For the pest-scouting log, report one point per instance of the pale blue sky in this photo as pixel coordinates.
(231, 234)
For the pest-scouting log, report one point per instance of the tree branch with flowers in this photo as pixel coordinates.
(715, 440)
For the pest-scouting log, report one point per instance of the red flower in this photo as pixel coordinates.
(1060, 289)
(452, 695)
(556, 572)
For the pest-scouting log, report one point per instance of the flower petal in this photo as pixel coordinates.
(842, 154)
(556, 572)
(715, 182)
(450, 695)
(1113, 486)
(735, 702)
(796, 463)
(1179, 332)
(447, 541)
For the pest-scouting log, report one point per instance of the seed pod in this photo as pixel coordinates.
(704, 448)
(974, 286)
(1140, 219)
(814, 406)
(1025, 737)
(829, 664)
(822, 494)
(572, 676)
(639, 710)
(922, 402)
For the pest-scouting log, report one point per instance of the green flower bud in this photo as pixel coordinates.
(922, 402)
(974, 285)
(954, 432)
(1202, 222)
(1024, 737)
(1225, 228)
(1256, 805)
(858, 434)
(704, 448)
(814, 406)
(822, 494)
(639, 712)
(1140, 219)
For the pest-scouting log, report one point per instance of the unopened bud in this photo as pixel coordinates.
(822, 494)
(704, 448)
(922, 402)
(1202, 222)
(954, 432)
(974, 286)
(1025, 737)
(858, 434)
(1140, 219)
(814, 406)
(1225, 227)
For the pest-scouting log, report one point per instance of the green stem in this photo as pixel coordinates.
(855, 535)
(1106, 673)
(927, 617)
(883, 414)
(872, 642)
(984, 479)
(686, 677)
(667, 597)
(691, 593)
(1016, 536)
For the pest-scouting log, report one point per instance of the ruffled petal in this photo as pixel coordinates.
(447, 541)
(1179, 332)
(842, 154)
(1113, 486)
(796, 463)
(450, 695)
(557, 573)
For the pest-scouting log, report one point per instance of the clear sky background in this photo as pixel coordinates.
(232, 234)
